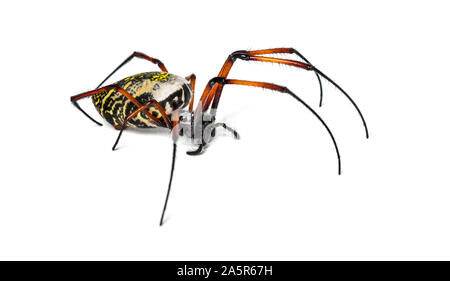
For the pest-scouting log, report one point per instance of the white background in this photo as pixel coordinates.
(274, 194)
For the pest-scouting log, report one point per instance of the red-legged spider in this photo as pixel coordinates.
(159, 99)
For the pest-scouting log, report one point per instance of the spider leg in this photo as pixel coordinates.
(174, 152)
(85, 113)
(348, 97)
(175, 123)
(200, 147)
(170, 125)
(138, 55)
(191, 78)
(75, 98)
(208, 96)
(134, 54)
(144, 107)
(289, 51)
(225, 126)
(223, 81)
(231, 130)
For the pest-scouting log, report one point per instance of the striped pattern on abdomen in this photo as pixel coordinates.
(171, 91)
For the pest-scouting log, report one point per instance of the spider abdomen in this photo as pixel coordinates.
(170, 91)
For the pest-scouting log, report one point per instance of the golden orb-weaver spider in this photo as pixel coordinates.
(158, 99)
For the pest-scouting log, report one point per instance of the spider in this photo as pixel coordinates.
(161, 99)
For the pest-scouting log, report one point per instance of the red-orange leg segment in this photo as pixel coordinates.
(137, 55)
(191, 78)
(223, 81)
(262, 59)
(243, 55)
(318, 75)
(144, 107)
(289, 51)
(158, 106)
(175, 122)
(254, 55)
(208, 95)
(74, 99)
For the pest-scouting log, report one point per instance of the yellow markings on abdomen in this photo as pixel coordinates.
(113, 106)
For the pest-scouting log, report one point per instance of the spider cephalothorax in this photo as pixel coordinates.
(161, 99)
